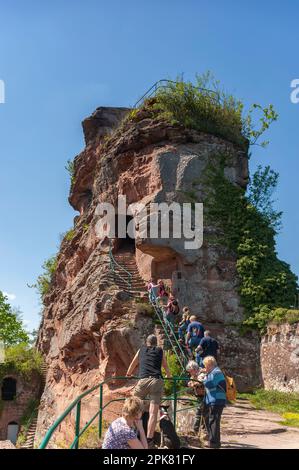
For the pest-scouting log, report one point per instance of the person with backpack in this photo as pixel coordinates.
(215, 399)
(150, 359)
(183, 325)
(208, 346)
(195, 333)
(171, 311)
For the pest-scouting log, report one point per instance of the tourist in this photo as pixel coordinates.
(171, 310)
(150, 359)
(215, 399)
(183, 325)
(122, 432)
(162, 294)
(195, 333)
(208, 346)
(152, 288)
(196, 382)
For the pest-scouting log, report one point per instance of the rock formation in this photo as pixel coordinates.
(90, 327)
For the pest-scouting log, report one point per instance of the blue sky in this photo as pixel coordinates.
(61, 59)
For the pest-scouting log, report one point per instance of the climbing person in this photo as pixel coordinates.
(195, 333)
(150, 359)
(122, 432)
(152, 288)
(196, 383)
(171, 310)
(162, 292)
(183, 324)
(208, 346)
(215, 399)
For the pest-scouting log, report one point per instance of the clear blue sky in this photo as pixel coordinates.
(61, 59)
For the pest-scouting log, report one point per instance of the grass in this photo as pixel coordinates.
(285, 404)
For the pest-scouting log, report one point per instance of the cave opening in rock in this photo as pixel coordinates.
(126, 243)
(9, 389)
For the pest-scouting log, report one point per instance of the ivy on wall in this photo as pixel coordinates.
(266, 282)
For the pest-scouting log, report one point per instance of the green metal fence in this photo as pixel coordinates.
(76, 405)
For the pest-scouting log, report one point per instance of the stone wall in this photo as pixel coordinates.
(12, 411)
(280, 358)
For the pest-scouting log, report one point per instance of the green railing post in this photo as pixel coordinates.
(77, 423)
(101, 411)
(174, 401)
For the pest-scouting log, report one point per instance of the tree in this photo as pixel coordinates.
(262, 186)
(11, 327)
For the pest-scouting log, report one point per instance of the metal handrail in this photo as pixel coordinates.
(114, 263)
(171, 336)
(163, 83)
(76, 404)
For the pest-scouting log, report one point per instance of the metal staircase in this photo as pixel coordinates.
(124, 273)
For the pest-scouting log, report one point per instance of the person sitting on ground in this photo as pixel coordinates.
(172, 310)
(150, 359)
(184, 323)
(215, 399)
(195, 333)
(152, 288)
(122, 432)
(208, 346)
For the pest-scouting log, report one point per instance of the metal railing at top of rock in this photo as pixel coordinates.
(113, 263)
(163, 83)
(76, 406)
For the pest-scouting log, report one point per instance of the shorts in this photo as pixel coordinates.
(151, 388)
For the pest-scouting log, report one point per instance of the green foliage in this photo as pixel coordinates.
(90, 438)
(21, 359)
(260, 191)
(207, 107)
(70, 168)
(143, 308)
(69, 235)
(26, 420)
(11, 327)
(175, 371)
(265, 281)
(272, 400)
(264, 315)
(43, 282)
(290, 419)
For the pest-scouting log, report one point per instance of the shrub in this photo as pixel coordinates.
(70, 168)
(175, 371)
(208, 108)
(143, 308)
(22, 359)
(44, 280)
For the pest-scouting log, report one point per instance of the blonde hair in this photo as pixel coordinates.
(133, 406)
(209, 360)
(193, 318)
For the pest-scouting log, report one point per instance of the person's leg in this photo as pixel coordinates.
(214, 425)
(152, 422)
(155, 395)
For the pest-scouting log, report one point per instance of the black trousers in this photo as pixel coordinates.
(213, 424)
(201, 417)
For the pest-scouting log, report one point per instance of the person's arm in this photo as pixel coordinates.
(133, 364)
(188, 333)
(199, 349)
(136, 444)
(140, 428)
(165, 366)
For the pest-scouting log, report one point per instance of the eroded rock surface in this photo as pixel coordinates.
(90, 328)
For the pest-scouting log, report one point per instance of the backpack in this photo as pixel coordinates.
(231, 389)
(175, 309)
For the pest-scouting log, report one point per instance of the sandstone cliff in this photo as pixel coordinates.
(90, 327)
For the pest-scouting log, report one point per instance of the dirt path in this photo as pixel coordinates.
(245, 427)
